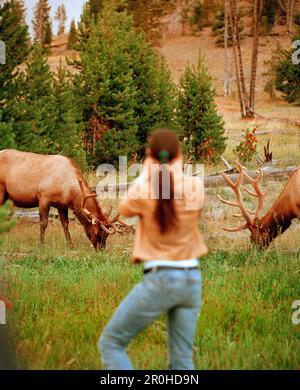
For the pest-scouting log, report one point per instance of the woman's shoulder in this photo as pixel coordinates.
(193, 192)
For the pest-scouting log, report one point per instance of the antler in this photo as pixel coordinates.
(85, 196)
(240, 204)
(258, 192)
(87, 213)
(121, 226)
(114, 224)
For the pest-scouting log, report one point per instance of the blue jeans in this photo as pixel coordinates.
(174, 292)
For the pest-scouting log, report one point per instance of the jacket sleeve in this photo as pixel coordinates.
(131, 205)
(194, 193)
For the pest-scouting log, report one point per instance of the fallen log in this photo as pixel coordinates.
(268, 173)
(217, 180)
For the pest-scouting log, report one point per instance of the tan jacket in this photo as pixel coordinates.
(182, 242)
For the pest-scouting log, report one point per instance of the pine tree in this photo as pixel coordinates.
(202, 128)
(14, 33)
(270, 72)
(42, 23)
(61, 17)
(218, 29)
(287, 75)
(91, 11)
(33, 110)
(124, 88)
(155, 99)
(68, 128)
(95, 7)
(72, 40)
(196, 18)
(7, 136)
(48, 34)
(270, 8)
(208, 10)
(106, 89)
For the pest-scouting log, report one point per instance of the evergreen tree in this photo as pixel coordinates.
(48, 34)
(218, 29)
(155, 99)
(22, 10)
(34, 109)
(68, 139)
(287, 75)
(72, 40)
(270, 72)
(106, 89)
(91, 10)
(42, 23)
(61, 17)
(270, 8)
(95, 7)
(14, 34)
(196, 18)
(7, 136)
(297, 19)
(124, 88)
(208, 10)
(202, 128)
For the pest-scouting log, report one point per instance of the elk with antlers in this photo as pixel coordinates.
(35, 180)
(286, 208)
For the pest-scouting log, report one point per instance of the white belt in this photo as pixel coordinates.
(189, 263)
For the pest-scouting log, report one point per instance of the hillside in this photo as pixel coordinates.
(180, 46)
(179, 50)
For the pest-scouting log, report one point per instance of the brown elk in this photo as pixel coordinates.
(35, 180)
(286, 208)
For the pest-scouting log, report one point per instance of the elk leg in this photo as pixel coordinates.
(63, 215)
(44, 208)
(2, 194)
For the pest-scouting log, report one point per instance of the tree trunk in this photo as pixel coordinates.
(240, 79)
(257, 19)
(227, 73)
(290, 16)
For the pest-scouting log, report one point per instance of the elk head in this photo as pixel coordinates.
(100, 227)
(259, 235)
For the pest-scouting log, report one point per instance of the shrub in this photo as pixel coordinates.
(246, 149)
(287, 79)
(202, 128)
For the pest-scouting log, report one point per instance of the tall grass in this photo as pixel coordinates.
(62, 303)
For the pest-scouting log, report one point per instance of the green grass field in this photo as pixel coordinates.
(62, 300)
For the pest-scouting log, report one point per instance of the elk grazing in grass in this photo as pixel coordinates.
(35, 180)
(286, 208)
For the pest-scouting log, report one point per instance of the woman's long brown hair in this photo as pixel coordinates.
(164, 147)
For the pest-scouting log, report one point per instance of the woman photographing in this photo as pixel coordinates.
(168, 243)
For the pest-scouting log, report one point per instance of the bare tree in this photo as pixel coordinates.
(246, 101)
(227, 73)
(237, 54)
(257, 19)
